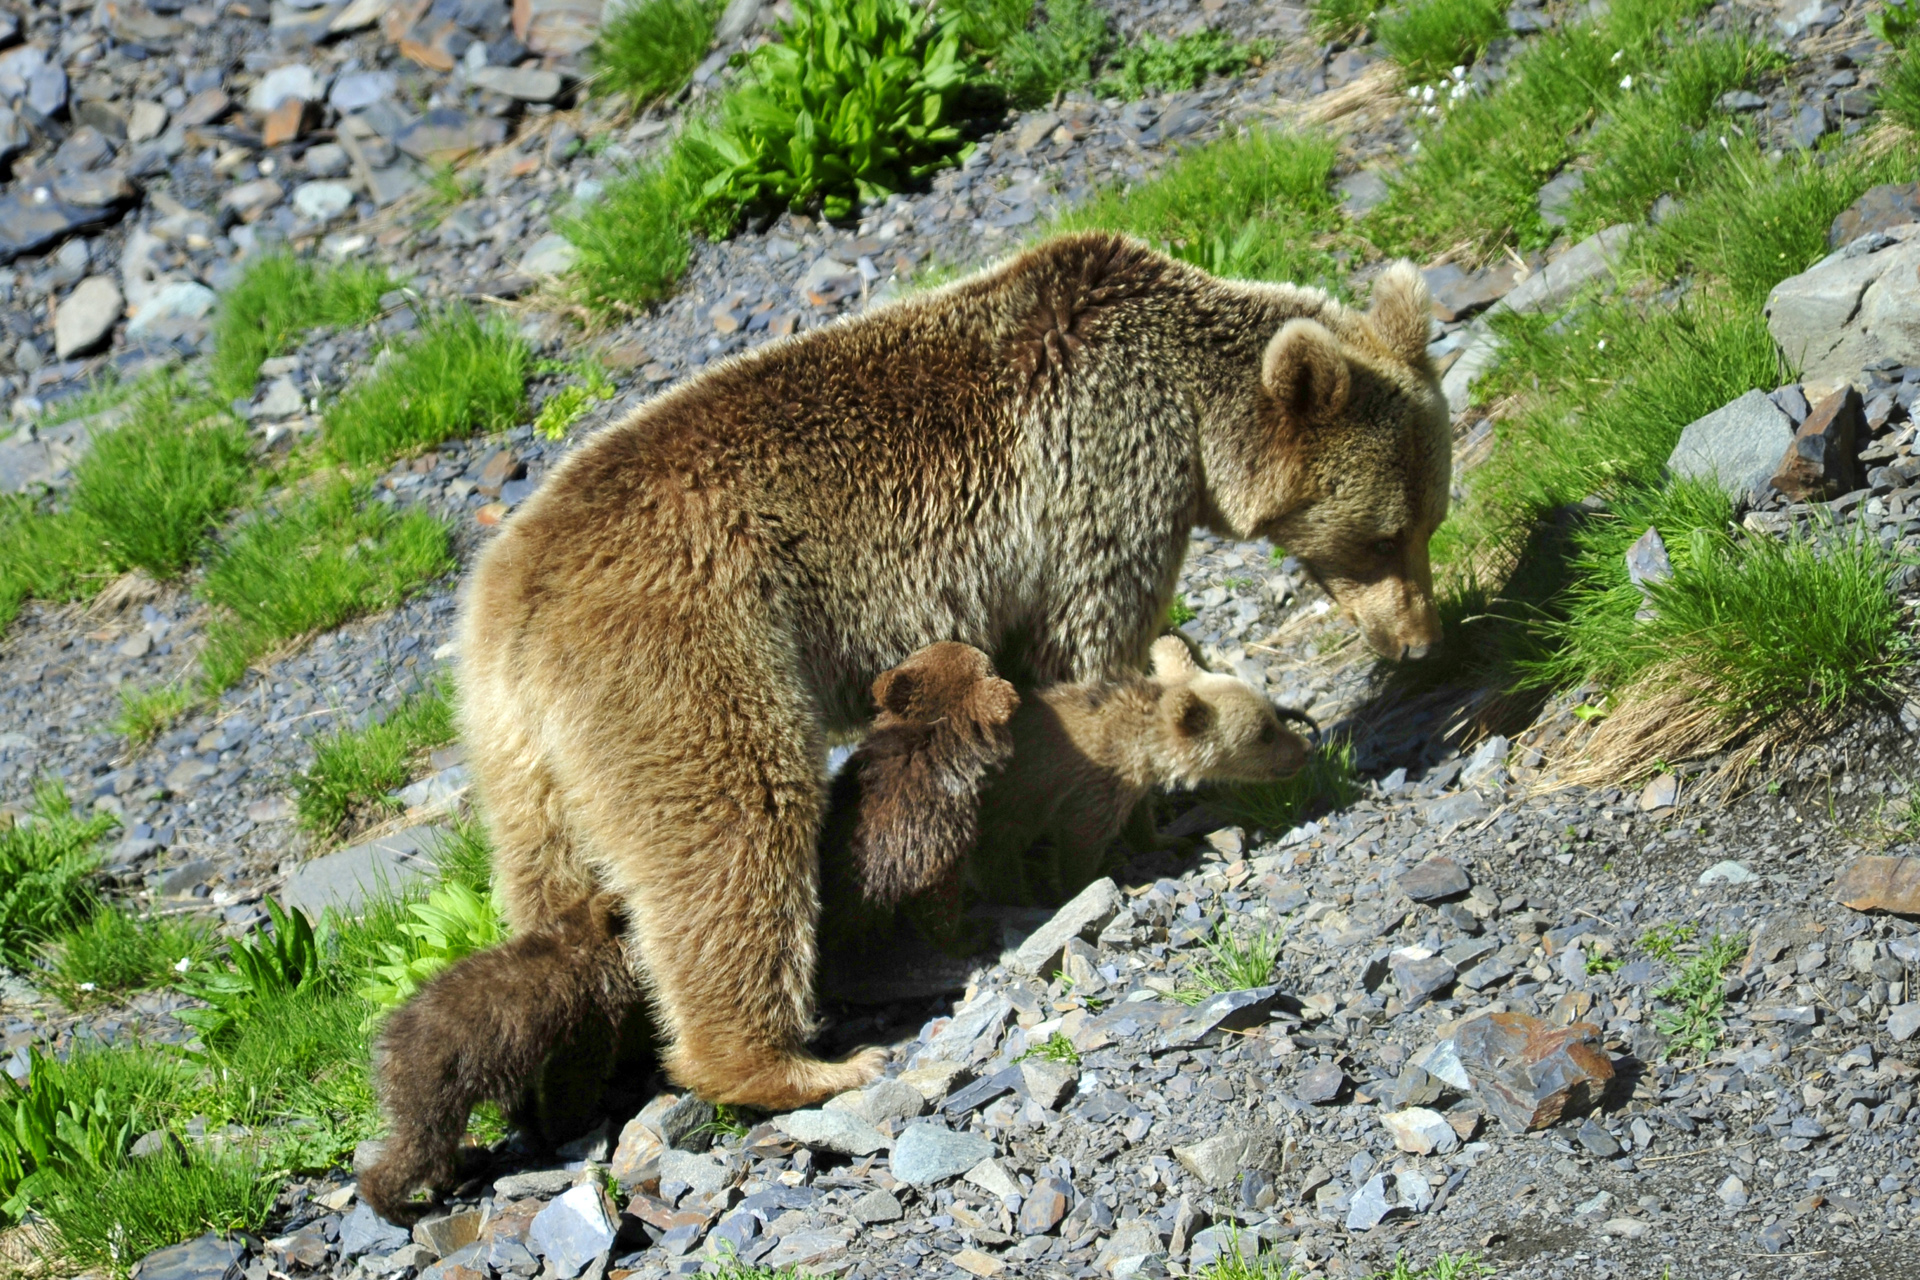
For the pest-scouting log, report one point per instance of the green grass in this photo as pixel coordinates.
(47, 863)
(1231, 964)
(1431, 37)
(1055, 1048)
(113, 954)
(1251, 206)
(650, 48)
(275, 301)
(113, 1218)
(1663, 941)
(145, 714)
(1693, 1022)
(1327, 782)
(458, 375)
(1152, 65)
(634, 242)
(1339, 19)
(354, 770)
(44, 555)
(317, 561)
(1478, 172)
(1899, 96)
(151, 489)
(1028, 56)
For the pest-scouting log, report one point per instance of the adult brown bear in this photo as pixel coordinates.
(658, 648)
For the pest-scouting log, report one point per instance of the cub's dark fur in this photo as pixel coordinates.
(483, 1030)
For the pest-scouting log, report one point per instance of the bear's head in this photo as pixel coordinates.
(1217, 728)
(945, 681)
(1351, 464)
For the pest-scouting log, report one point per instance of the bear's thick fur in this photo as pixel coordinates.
(481, 1031)
(659, 646)
(1085, 755)
(904, 810)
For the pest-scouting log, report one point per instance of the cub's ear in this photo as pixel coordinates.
(1172, 660)
(1306, 371)
(1192, 715)
(895, 690)
(1402, 312)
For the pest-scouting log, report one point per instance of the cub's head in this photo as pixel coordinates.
(1216, 728)
(1351, 460)
(944, 681)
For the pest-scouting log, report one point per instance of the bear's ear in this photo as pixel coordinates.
(1306, 371)
(1192, 714)
(1402, 312)
(896, 689)
(1172, 660)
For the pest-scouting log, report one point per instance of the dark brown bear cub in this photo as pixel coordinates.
(481, 1032)
(905, 809)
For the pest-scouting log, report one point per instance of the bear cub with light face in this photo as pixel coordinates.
(1085, 754)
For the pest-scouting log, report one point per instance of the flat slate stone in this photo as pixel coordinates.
(348, 879)
(1735, 446)
(207, 1258)
(1434, 880)
(924, 1154)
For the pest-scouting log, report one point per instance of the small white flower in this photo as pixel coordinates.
(1626, 82)
(1426, 93)
(1600, 345)
(1617, 55)
(86, 986)
(183, 964)
(1459, 73)
(1723, 142)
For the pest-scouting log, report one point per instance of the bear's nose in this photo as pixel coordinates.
(1410, 652)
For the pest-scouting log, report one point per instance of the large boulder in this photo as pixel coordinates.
(1851, 309)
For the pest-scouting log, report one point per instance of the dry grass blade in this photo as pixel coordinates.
(129, 589)
(1369, 97)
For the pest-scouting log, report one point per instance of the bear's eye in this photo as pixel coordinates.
(1385, 547)
(1267, 733)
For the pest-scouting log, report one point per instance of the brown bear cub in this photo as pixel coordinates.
(904, 810)
(1086, 754)
(483, 1030)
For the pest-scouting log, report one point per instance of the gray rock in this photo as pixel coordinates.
(322, 201)
(840, 1132)
(924, 1154)
(348, 879)
(527, 84)
(1212, 1019)
(360, 89)
(1556, 197)
(1735, 446)
(1647, 559)
(1477, 355)
(1419, 975)
(1903, 1021)
(86, 316)
(439, 792)
(1044, 1206)
(364, 1231)
(704, 1173)
(1048, 1083)
(1808, 127)
(1421, 1131)
(535, 1182)
(1084, 916)
(1485, 766)
(209, 1257)
(1434, 879)
(736, 20)
(881, 1101)
(1889, 205)
(1732, 1192)
(1321, 1084)
(1218, 1161)
(180, 299)
(281, 400)
(550, 255)
(1588, 262)
(876, 1206)
(572, 1231)
(276, 86)
(1388, 1195)
(805, 1249)
(1851, 309)
(33, 218)
(974, 1031)
(1361, 192)
(1727, 872)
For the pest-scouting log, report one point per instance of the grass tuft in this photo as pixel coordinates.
(1431, 37)
(1055, 1048)
(323, 558)
(1341, 19)
(1693, 1023)
(276, 299)
(1153, 65)
(353, 771)
(113, 954)
(45, 555)
(1032, 52)
(145, 714)
(1249, 206)
(633, 243)
(1899, 96)
(47, 861)
(650, 48)
(457, 376)
(1328, 782)
(1231, 964)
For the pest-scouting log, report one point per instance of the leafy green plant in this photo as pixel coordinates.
(319, 560)
(1031, 53)
(569, 404)
(1180, 613)
(1899, 93)
(458, 375)
(1327, 782)
(857, 100)
(354, 771)
(1694, 1022)
(453, 922)
(1231, 964)
(1341, 19)
(1662, 942)
(47, 861)
(650, 47)
(1153, 65)
(152, 489)
(113, 953)
(727, 1122)
(1597, 963)
(1429, 37)
(1445, 1266)
(147, 713)
(1055, 1048)
(1895, 21)
(276, 299)
(272, 962)
(45, 1129)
